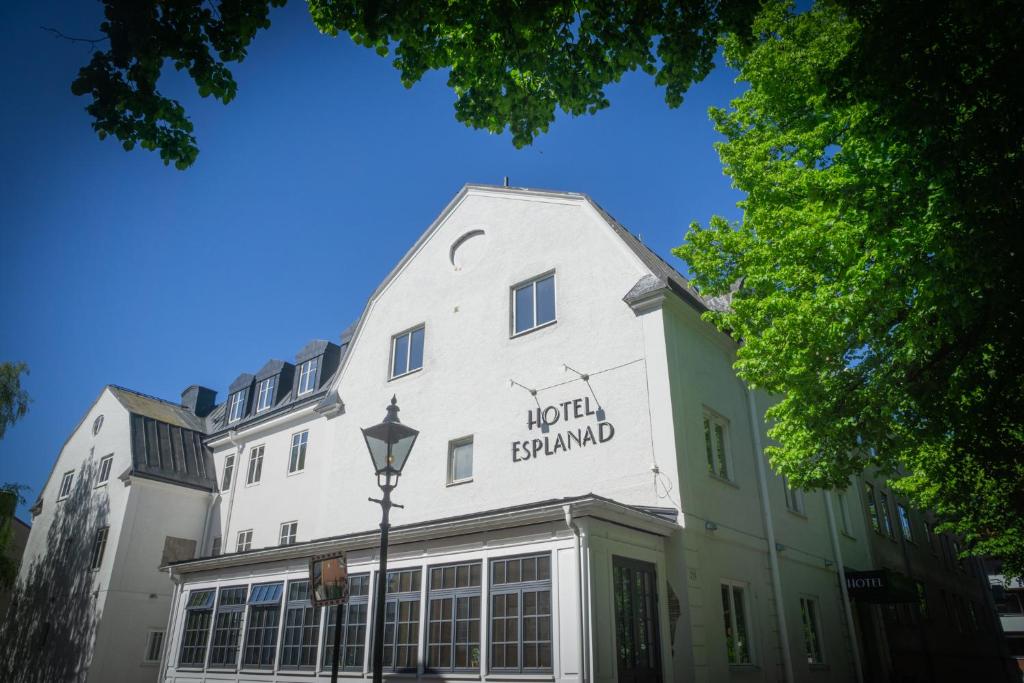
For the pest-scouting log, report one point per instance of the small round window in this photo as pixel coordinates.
(97, 424)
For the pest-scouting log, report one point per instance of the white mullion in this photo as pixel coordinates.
(533, 289)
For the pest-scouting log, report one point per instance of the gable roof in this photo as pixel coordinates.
(156, 408)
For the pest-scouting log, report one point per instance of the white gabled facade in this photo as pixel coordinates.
(615, 488)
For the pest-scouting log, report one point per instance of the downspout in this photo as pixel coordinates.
(571, 523)
(769, 530)
(847, 609)
(169, 633)
(239, 448)
(214, 497)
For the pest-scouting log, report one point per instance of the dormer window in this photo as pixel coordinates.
(236, 407)
(307, 376)
(265, 397)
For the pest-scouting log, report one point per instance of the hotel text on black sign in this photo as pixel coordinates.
(579, 435)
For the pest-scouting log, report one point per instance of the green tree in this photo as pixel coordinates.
(510, 63)
(877, 268)
(13, 399)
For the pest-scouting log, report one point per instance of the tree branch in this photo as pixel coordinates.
(73, 39)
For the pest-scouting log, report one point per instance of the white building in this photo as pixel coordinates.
(587, 495)
(588, 498)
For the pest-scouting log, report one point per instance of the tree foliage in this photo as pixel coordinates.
(510, 64)
(13, 399)
(881, 290)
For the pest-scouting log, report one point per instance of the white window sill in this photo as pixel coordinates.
(296, 472)
(458, 482)
(723, 480)
(102, 484)
(405, 374)
(522, 333)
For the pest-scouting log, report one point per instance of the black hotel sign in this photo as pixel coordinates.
(575, 433)
(880, 586)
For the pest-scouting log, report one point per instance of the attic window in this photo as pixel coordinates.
(265, 397)
(237, 406)
(307, 376)
(97, 424)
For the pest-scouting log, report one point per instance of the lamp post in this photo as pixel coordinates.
(389, 443)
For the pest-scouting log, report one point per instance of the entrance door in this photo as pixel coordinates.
(636, 621)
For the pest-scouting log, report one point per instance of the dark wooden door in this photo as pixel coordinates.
(636, 621)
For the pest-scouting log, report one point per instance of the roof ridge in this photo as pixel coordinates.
(149, 396)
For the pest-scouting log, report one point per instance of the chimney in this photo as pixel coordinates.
(198, 400)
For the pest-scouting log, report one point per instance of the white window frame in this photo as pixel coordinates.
(216, 547)
(67, 481)
(265, 393)
(751, 649)
(255, 466)
(227, 477)
(99, 548)
(247, 533)
(236, 401)
(452, 445)
(289, 532)
(299, 444)
(844, 513)
(710, 421)
(104, 477)
(887, 528)
(903, 517)
(815, 612)
(408, 351)
(152, 635)
(532, 283)
(307, 376)
(795, 502)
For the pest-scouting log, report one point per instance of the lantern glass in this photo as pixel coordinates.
(390, 444)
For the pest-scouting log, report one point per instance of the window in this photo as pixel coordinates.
(297, 459)
(844, 513)
(301, 628)
(154, 646)
(99, 547)
(236, 405)
(97, 425)
(288, 532)
(533, 304)
(215, 550)
(794, 498)
(255, 466)
(407, 352)
(716, 445)
(65, 485)
(869, 497)
(229, 471)
(265, 395)
(734, 610)
(886, 519)
(227, 627)
(198, 610)
(261, 627)
(904, 516)
(353, 626)
(307, 376)
(812, 630)
(244, 541)
(929, 536)
(453, 618)
(106, 462)
(460, 460)
(521, 614)
(402, 619)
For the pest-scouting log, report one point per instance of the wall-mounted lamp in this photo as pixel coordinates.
(710, 526)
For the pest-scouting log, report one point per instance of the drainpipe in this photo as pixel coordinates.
(169, 633)
(239, 448)
(769, 530)
(577, 534)
(214, 497)
(847, 609)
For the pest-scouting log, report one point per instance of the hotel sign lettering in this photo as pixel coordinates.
(573, 433)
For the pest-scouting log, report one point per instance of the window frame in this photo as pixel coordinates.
(713, 421)
(394, 600)
(270, 383)
(300, 441)
(906, 527)
(64, 491)
(844, 514)
(731, 586)
(454, 594)
(248, 541)
(266, 630)
(408, 351)
(307, 374)
(809, 605)
(294, 528)
(99, 548)
(256, 469)
(795, 501)
(311, 617)
(237, 400)
(216, 546)
(235, 608)
(513, 306)
(201, 633)
(360, 598)
(106, 463)
(150, 637)
(519, 589)
(871, 505)
(452, 446)
(228, 472)
(887, 526)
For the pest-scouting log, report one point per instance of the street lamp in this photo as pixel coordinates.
(389, 444)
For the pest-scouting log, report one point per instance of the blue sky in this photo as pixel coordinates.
(309, 187)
